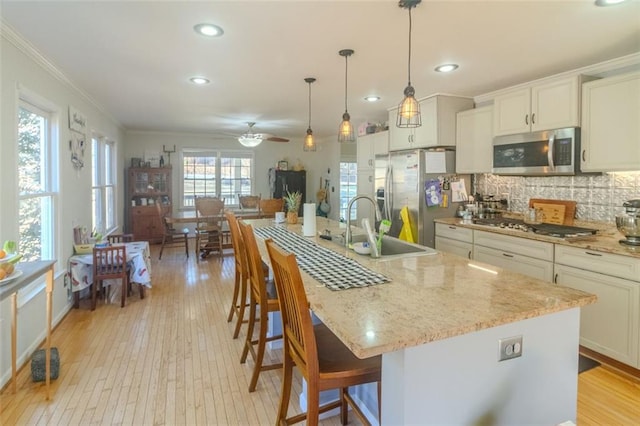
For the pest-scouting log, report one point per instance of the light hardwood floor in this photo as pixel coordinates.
(170, 359)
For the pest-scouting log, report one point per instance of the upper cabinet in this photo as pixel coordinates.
(551, 105)
(438, 124)
(611, 124)
(474, 139)
(369, 146)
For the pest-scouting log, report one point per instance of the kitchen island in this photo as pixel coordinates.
(437, 325)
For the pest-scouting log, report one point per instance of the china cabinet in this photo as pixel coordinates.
(146, 187)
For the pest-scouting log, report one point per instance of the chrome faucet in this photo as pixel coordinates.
(353, 200)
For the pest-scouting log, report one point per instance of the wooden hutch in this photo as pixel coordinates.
(146, 187)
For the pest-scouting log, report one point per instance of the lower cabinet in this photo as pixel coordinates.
(611, 326)
(527, 257)
(454, 239)
(146, 224)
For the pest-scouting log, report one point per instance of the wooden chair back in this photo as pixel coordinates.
(270, 206)
(297, 326)
(109, 263)
(249, 201)
(171, 236)
(254, 262)
(210, 207)
(238, 245)
(120, 238)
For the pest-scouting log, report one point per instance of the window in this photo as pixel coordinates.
(348, 189)
(223, 174)
(36, 182)
(103, 191)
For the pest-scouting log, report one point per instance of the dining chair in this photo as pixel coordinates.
(171, 237)
(120, 238)
(322, 359)
(109, 263)
(259, 301)
(239, 298)
(270, 206)
(209, 211)
(249, 201)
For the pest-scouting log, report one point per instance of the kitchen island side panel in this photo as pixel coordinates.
(459, 381)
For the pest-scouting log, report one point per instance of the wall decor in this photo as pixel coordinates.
(77, 145)
(77, 120)
(283, 165)
(153, 158)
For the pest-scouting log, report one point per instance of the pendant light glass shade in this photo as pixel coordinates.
(345, 130)
(409, 109)
(309, 141)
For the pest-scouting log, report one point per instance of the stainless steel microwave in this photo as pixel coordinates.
(551, 152)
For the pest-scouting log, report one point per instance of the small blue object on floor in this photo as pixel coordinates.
(38, 365)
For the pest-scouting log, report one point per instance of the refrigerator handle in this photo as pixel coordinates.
(389, 195)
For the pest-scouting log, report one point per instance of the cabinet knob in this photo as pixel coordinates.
(584, 153)
(555, 279)
(469, 254)
(526, 119)
(533, 118)
(507, 255)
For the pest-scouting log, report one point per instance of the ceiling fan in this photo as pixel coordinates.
(251, 139)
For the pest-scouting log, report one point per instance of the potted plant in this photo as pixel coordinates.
(292, 205)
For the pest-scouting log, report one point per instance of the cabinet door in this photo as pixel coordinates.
(610, 326)
(453, 246)
(365, 151)
(474, 140)
(555, 105)
(610, 129)
(535, 268)
(427, 134)
(454, 232)
(511, 112)
(399, 137)
(381, 143)
(366, 187)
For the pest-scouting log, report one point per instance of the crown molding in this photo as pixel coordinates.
(24, 46)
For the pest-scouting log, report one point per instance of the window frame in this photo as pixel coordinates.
(343, 202)
(218, 155)
(104, 184)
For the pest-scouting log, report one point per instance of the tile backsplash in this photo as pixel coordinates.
(598, 197)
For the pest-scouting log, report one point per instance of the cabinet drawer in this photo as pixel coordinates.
(535, 268)
(454, 232)
(603, 263)
(453, 246)
(516, 245)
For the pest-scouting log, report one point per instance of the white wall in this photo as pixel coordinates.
(23, 68)
(267, 154)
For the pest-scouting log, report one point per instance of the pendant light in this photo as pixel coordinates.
(309, 142)
(345, 131)
(409, 108)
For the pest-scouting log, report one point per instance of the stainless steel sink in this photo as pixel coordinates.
(393, 248)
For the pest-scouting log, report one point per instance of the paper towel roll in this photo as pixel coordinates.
(309, 224)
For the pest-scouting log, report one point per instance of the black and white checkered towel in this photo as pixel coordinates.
(335, 271)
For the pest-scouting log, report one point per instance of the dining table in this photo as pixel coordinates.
(138, 257)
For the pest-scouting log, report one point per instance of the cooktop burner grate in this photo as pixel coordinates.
(549, 229)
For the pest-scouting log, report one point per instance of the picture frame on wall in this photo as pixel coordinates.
(77, 120)
(283, 165)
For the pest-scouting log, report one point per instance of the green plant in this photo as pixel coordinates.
(292, 201)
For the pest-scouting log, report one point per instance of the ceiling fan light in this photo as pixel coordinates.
(345, 130)
(208, 30)
(249, 141)
(309, 141)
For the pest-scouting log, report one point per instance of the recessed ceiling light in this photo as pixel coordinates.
(603, 3)
(199, 80)
(372, 98)
(446, 67)
(208, 30)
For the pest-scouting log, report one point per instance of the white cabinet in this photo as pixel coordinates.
(368, 147)
(611, 326)
(454, 239)
(551, 105)
(527, 257)
(611, 124)
(438, 124)
(474, 140)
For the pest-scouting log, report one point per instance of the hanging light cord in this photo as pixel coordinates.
(346, 65)
(309, 105)
(409, 62)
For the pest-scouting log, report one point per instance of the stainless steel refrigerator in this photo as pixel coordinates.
(400, 179)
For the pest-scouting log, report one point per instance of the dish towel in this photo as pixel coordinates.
(406, 234)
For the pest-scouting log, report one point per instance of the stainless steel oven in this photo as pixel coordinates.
(551, 152)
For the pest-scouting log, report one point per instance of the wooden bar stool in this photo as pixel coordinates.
(323, 360)
(258, 300)
(239, 298)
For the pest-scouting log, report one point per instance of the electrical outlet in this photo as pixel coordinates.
(510, 348)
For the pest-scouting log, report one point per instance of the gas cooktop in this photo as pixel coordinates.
(549, 229)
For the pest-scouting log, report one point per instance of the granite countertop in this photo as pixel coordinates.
(606, 240)
(429, 298)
